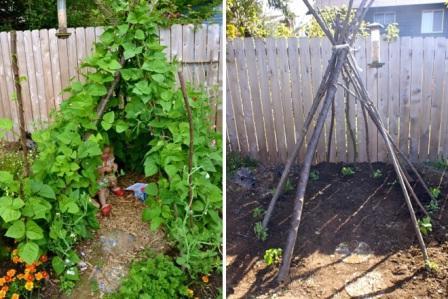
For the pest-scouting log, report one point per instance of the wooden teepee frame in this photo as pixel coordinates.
(342, 63)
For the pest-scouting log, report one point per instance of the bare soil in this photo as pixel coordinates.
(338, 209)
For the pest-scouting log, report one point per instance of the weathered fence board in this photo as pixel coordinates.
(282, 76)
(48, 64)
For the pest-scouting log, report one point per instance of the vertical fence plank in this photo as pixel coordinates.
(275, 99)
(212, 69)
(55, 67)
(39, 75)
(260, 48)
(296, 90)
(383, 96)
(360, 55)
(6, 89)
(238, 113)
(253, 78)
(437, 97)
(80, 52)
(372, 87)
(406, 58)
(200, 54)
(232, 131)
(165, 40)
(31, 78)
(244, 97)
(425, 108)
(285, 93)
(47, 74)
(188, 52)
(416, 95)
(63, 64)
(30, 107)
(305, 74)
(394, 89)
(72, 56)
(443, 144)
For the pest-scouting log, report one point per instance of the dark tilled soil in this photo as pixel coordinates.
(337, 209)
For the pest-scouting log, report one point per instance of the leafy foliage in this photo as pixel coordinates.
(392, 32)
(425, 225)
(312, 28)
(314, 175)
(258, 212)
(260, 231)
(347, 171)
(377, 173)
(146, 122)
(155, 277)
(273, 256)
(37, 14)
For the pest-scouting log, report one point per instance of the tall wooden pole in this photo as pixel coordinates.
(18, 87)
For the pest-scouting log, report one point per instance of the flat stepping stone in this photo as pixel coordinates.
(360, 254)
(365, 285)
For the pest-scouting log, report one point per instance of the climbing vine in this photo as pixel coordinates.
(146, 122)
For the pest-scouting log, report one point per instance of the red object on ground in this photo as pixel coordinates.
(106, 209)
(118, 192)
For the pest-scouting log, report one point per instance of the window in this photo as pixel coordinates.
(432, 21)
(384, 18)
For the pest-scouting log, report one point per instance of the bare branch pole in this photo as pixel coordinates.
(18, 87)
(191, 147)
(330, 136)
(347, 120)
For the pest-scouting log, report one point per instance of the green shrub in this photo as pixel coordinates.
(153, 278)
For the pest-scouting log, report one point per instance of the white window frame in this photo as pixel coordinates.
(385, 13)
(432, 11)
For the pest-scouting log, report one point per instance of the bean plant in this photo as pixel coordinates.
(146, 122)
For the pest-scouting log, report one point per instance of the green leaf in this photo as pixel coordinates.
(150, 167)
(108, 120)
(151, 189)
(139, 34)
(158, 78)
(156, 66)
(47, 192)
(198, 206)
(96, 90)
(29, 252)
(58, 265)
(9, 214)
(34, 231)
(121, 126)
(16, 230)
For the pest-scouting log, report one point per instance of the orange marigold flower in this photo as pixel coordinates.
(16, 259)
(14, 252)
(2, 281)
(30, 268)
(2, 294)
(11, 273)
(21, 276)
(7, 278)
(190, 292)
(5, 289)
(15, 296)
(205, 279)
(39, 276)
(29, 285)
(29, 277)
(44, 259)
(45, 274)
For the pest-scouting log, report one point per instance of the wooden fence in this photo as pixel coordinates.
(271, 84)
(49, 64)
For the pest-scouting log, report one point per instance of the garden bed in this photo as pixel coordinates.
(341, 213)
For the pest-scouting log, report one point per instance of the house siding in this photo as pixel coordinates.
(409, 18)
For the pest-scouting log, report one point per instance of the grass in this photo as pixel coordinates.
(236, 161)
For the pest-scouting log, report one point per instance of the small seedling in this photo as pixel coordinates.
(431, 266)
(260, 231)
(435, 192)
(257, 212)
(273, 256)
(288, 186)
(347, 171)
(377, 174)
(314, 175)
(425, 225)
(433, 206)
